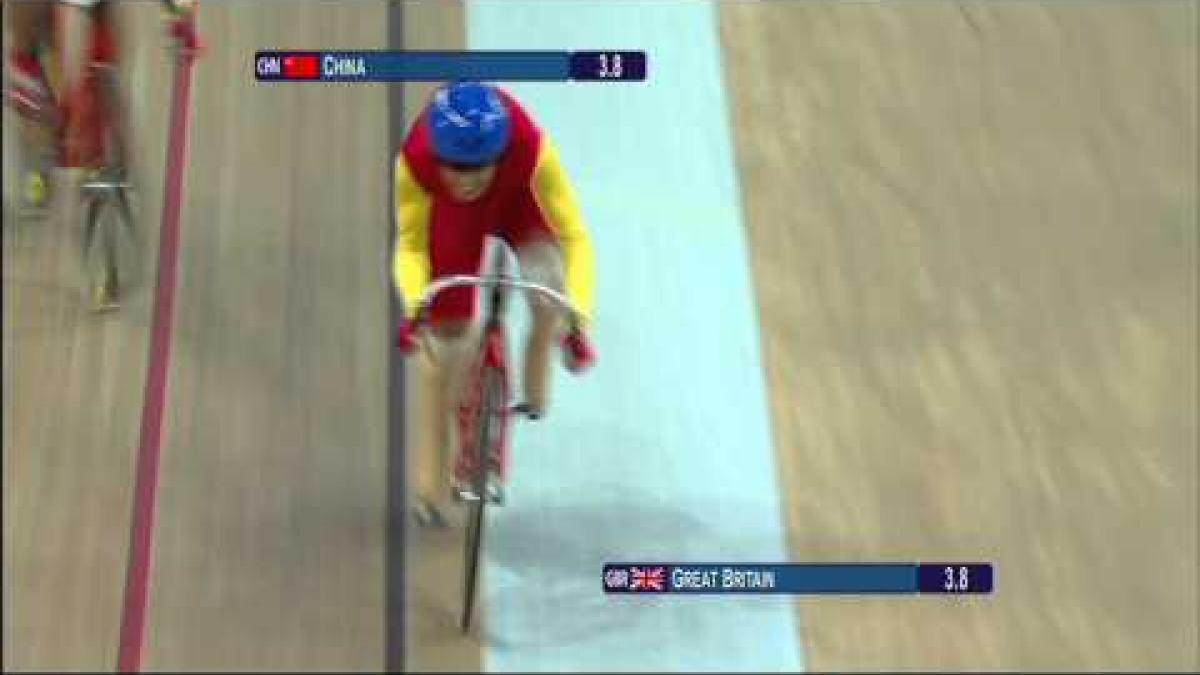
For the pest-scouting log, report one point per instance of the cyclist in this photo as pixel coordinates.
(474, 163)
(33, 25)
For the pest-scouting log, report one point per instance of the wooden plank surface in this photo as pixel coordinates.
(974, 239)
(72, 402)
(269, 543)
(433, 559)
(270, 533)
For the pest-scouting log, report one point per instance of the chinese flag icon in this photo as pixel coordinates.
(301, 66)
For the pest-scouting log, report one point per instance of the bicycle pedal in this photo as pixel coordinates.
(464, 494)
(527, 411)
(428, 515)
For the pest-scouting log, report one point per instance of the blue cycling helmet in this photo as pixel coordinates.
(469, 122)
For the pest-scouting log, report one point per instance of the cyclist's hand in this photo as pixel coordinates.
(406, 337)
(578, 351)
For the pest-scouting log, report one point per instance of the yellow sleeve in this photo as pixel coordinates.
(410, 256)
(556, 198)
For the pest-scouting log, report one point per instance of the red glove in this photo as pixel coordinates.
(578, 351)
(406, 337)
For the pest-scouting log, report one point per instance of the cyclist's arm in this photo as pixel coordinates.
(556, 198)
(410, 255)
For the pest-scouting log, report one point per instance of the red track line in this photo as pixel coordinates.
(137, 573)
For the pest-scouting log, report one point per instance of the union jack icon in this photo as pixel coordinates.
(647, 578)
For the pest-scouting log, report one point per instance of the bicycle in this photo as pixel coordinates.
(95, 119)
(485, 415)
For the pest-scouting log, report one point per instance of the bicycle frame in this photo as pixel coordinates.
(494, 346)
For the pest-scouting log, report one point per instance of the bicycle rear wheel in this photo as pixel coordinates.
(111, 250)
(491, 405)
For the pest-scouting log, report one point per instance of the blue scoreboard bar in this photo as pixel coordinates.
(948, 578)
(436, 66)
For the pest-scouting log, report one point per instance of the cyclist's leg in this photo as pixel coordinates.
(74, 42)
(536, 246)
(457, 343)
(440, 378)
(28, 91)
(455, 247)
(74, 22)
(541, 263)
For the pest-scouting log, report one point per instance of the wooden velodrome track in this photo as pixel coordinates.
(973, 234)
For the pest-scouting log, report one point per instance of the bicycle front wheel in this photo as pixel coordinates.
(491, 406)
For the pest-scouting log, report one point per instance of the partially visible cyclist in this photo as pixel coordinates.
(38, 27)
(475, 163)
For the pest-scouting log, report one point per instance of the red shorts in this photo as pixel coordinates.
(456, 234)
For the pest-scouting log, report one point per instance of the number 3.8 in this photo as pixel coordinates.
(610, 65)
(963, 581)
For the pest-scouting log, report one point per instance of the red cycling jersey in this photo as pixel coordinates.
(529, 198)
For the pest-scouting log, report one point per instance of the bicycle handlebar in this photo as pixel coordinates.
(461, 280)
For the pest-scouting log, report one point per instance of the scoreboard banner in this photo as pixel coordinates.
(436, 66)
(803, 579)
